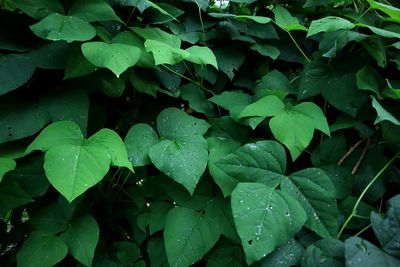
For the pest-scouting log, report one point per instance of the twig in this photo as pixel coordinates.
(357, 166)
(348, 153)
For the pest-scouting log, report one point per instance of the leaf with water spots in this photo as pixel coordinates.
(188, 236)
(316, 193)
(265, 218)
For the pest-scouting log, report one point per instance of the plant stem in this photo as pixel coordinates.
(354, 211)
(298, 47)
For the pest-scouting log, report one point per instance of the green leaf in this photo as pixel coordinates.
(261, 162)
(362, 253)
(183, 160)
(324, 253)
(15, 71)
(197, 99)
(113, 143)
(144, 83)
(229, 60)
(41, 249)
(12, 196)
(157, 34)
(316, 193)
(175, 124)
(165, 54)
(315, 113)
(57, 27)
(390, 10)
(157, 215)
(50, 56)
(93, 10)
(138, 141)
(265, 218)
(286, 21)
(73, 169)
(82, 237)
(231, 99)
(295, 130)
(127, 252)
(386, 228)
(381, 32)
(39, 9)
(382, 113)
(6, 165)
(329, 24)
(57, 133)
(369, 79)
(288, 254)
(201, 55)
(188, 236)
(53, 219)
(273, 82)
(266, 50)
(258, 19)
(115, 57)
(265, 107)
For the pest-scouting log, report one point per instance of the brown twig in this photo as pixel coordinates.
(355, 169)
(348, 153)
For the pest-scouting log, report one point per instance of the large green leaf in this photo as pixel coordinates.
(57, 133)
(93, 10)
(265, 107)
(12, 196)
(52, 218)
(390, 10)
(188, 236)
(316, 193)
(73, 169)
(387, 228)
(57, 27)
(82, 237)
(369, 79)
(138, 141)
(157, 34)
(15, 70)
(165, 54)
(265, 218)
(360, 252)
(329, 24)
(115, 57)
(315, 113)
(39, 9)
(262, 162)
(183, 160)
(114, 145)
(201, 55)
(326, 252)
(288, 254)
(286, 21)
(41, 249)
(6, 165)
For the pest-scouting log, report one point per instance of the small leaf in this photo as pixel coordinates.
(315, 113)
(383, 114)
(93, 10)
(265, 218)
(12, 196)
(258, 19)
(266, 50)
(288, 254)
(82, 237)
(39, 9)
(57, 27)
(267, 106)
(201, 55)
(324, 253)
(188, 236)
(369, 79)
(57, 133)
(138, 141)
(73, 169)
(329, 24)
(41, 249)
(390, 10)
(165, 54)
(286, 21)
(115, 57)
(15, 71)
(362, 253)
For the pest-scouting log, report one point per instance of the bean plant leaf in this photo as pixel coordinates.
(288, 254)
(41, 249)
(12, 196)
(267, 106)
(114, 145)
(201, 55)
(286, 21)
(325, 253)
(165, 54)
(6, 165)
(382, 113)
(315, 113)
(57, 133)
(316, 193)
(39, 9)
(57, 27)
(15, 70)
(359, 251)
(138, 141)
(73, 169)
(265, 218)
(392, 11)
(115, 57)
(82, 237)
(188, 236)
(261, 162)
(329, 24)
(386, 228)
(93, 10)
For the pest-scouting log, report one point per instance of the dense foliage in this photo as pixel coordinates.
(173, 133)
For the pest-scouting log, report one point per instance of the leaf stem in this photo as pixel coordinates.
(298, 47)
(354, 211)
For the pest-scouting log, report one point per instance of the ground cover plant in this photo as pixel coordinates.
(195, 132)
